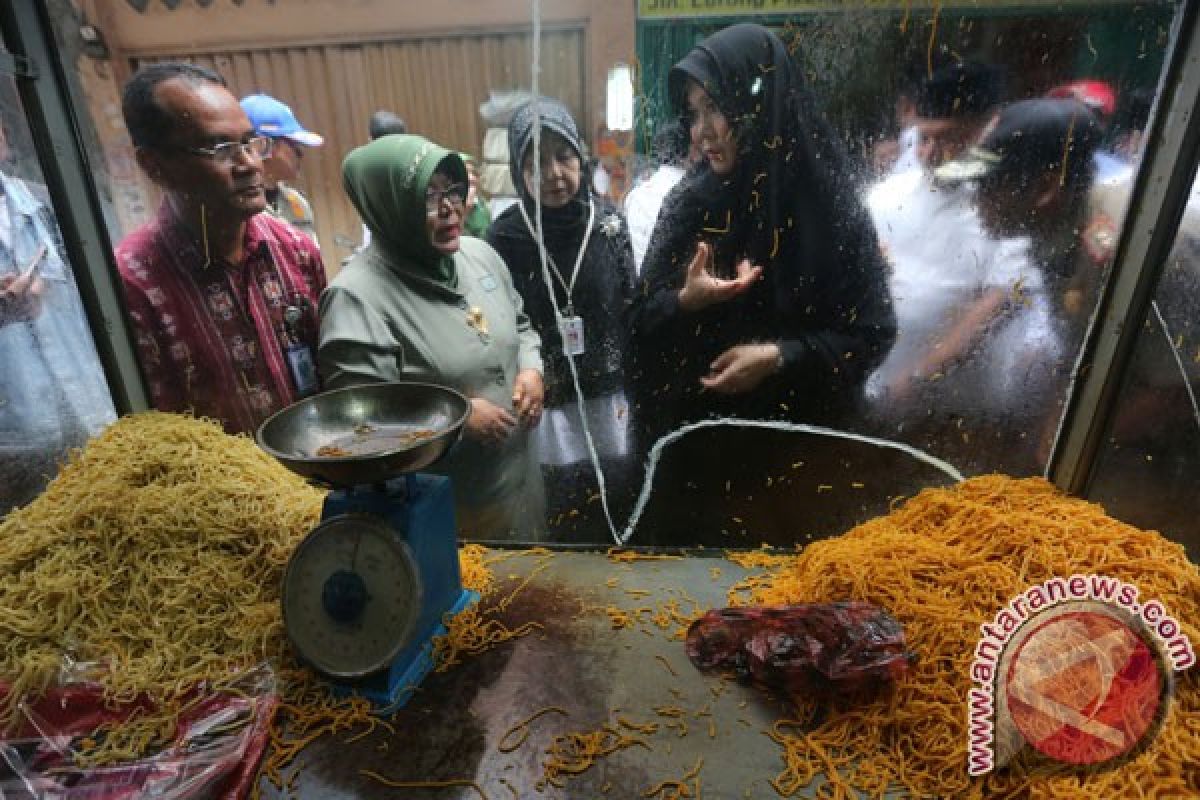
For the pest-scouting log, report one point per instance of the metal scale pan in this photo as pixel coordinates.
(363, 585)
(366, 434)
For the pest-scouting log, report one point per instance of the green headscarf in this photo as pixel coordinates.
(478, 219)
(386, 180)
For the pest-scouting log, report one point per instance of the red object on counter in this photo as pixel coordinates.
(822, 650)
(218, 744)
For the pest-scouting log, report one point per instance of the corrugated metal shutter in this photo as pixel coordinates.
(435, 83)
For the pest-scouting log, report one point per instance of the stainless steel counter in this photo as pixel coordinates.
(578, 661)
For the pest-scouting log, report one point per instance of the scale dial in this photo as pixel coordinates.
(351, 596)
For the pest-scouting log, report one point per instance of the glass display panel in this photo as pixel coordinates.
(53, 394)
(875, 304)
(1148, 469)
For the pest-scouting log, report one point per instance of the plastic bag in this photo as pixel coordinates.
(816, 649)
(219, 740)
(498, 109)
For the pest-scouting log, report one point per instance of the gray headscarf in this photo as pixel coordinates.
(553, 115)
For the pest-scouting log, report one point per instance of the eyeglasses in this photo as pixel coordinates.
(226, 152)
(456, 194)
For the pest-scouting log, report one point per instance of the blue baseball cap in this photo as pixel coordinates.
(272, 118)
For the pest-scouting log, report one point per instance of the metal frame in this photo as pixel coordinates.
(61, 153)
(1160, 194)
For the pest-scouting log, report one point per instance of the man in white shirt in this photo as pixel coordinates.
(672, 152)
(53, 394)
(950, 279)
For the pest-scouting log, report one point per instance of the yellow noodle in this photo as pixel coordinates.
(153, 560)
(944, 563)
(522, 728)
(153, 563)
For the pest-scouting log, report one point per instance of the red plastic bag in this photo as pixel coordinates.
(816, 649)
(219, 741)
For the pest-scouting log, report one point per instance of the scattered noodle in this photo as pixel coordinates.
(476, 629)
(640, 727)
(944, 563)
(522, 727)
(626, 556)
(375, 776)
(678, 789)
(574, 753)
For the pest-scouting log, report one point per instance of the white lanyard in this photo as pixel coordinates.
(567, 287)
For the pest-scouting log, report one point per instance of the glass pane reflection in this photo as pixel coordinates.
(990, 302)
(994, 154)
(1148, 470)
(53, 394)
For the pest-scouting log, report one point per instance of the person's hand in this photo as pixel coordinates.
(20, 297)
(742, 368)
(488, 422)
(528, 396)
(702, 289)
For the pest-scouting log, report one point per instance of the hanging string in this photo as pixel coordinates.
(541, 245)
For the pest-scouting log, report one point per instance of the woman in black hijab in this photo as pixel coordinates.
(581, 291)
(763, 292)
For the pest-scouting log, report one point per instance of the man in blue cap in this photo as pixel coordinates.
(275, 119)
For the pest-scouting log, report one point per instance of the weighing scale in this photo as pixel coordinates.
(366, 590)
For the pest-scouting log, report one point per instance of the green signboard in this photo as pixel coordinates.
(676, 9)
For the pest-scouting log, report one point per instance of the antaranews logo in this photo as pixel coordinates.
(1076, 668)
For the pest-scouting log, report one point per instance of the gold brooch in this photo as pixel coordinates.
(476, 319)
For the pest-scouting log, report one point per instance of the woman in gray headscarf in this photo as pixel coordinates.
(576, 300)
(423, 302)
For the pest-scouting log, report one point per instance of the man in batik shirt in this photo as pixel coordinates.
(223, 298)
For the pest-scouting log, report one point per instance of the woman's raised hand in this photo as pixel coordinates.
(702, 289)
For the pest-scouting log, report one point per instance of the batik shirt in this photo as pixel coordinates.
(211, 335)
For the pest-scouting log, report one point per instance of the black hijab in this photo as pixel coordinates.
(790, 206)
(792, 176)
(605, 265)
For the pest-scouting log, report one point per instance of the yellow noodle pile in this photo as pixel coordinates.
(571, 754)
(155, 556)
(944, 563)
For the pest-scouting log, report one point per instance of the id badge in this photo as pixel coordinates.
(304, 370)
(572, 335)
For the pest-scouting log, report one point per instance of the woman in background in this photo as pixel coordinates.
(476, 219)
(576, 301)
(424, 302)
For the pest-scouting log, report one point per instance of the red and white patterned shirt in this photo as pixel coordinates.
(212, 339)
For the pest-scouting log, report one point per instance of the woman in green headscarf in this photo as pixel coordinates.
(478, 218)
(424, 302)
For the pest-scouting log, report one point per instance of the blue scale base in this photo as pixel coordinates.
(420, 509)
(391, 690)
